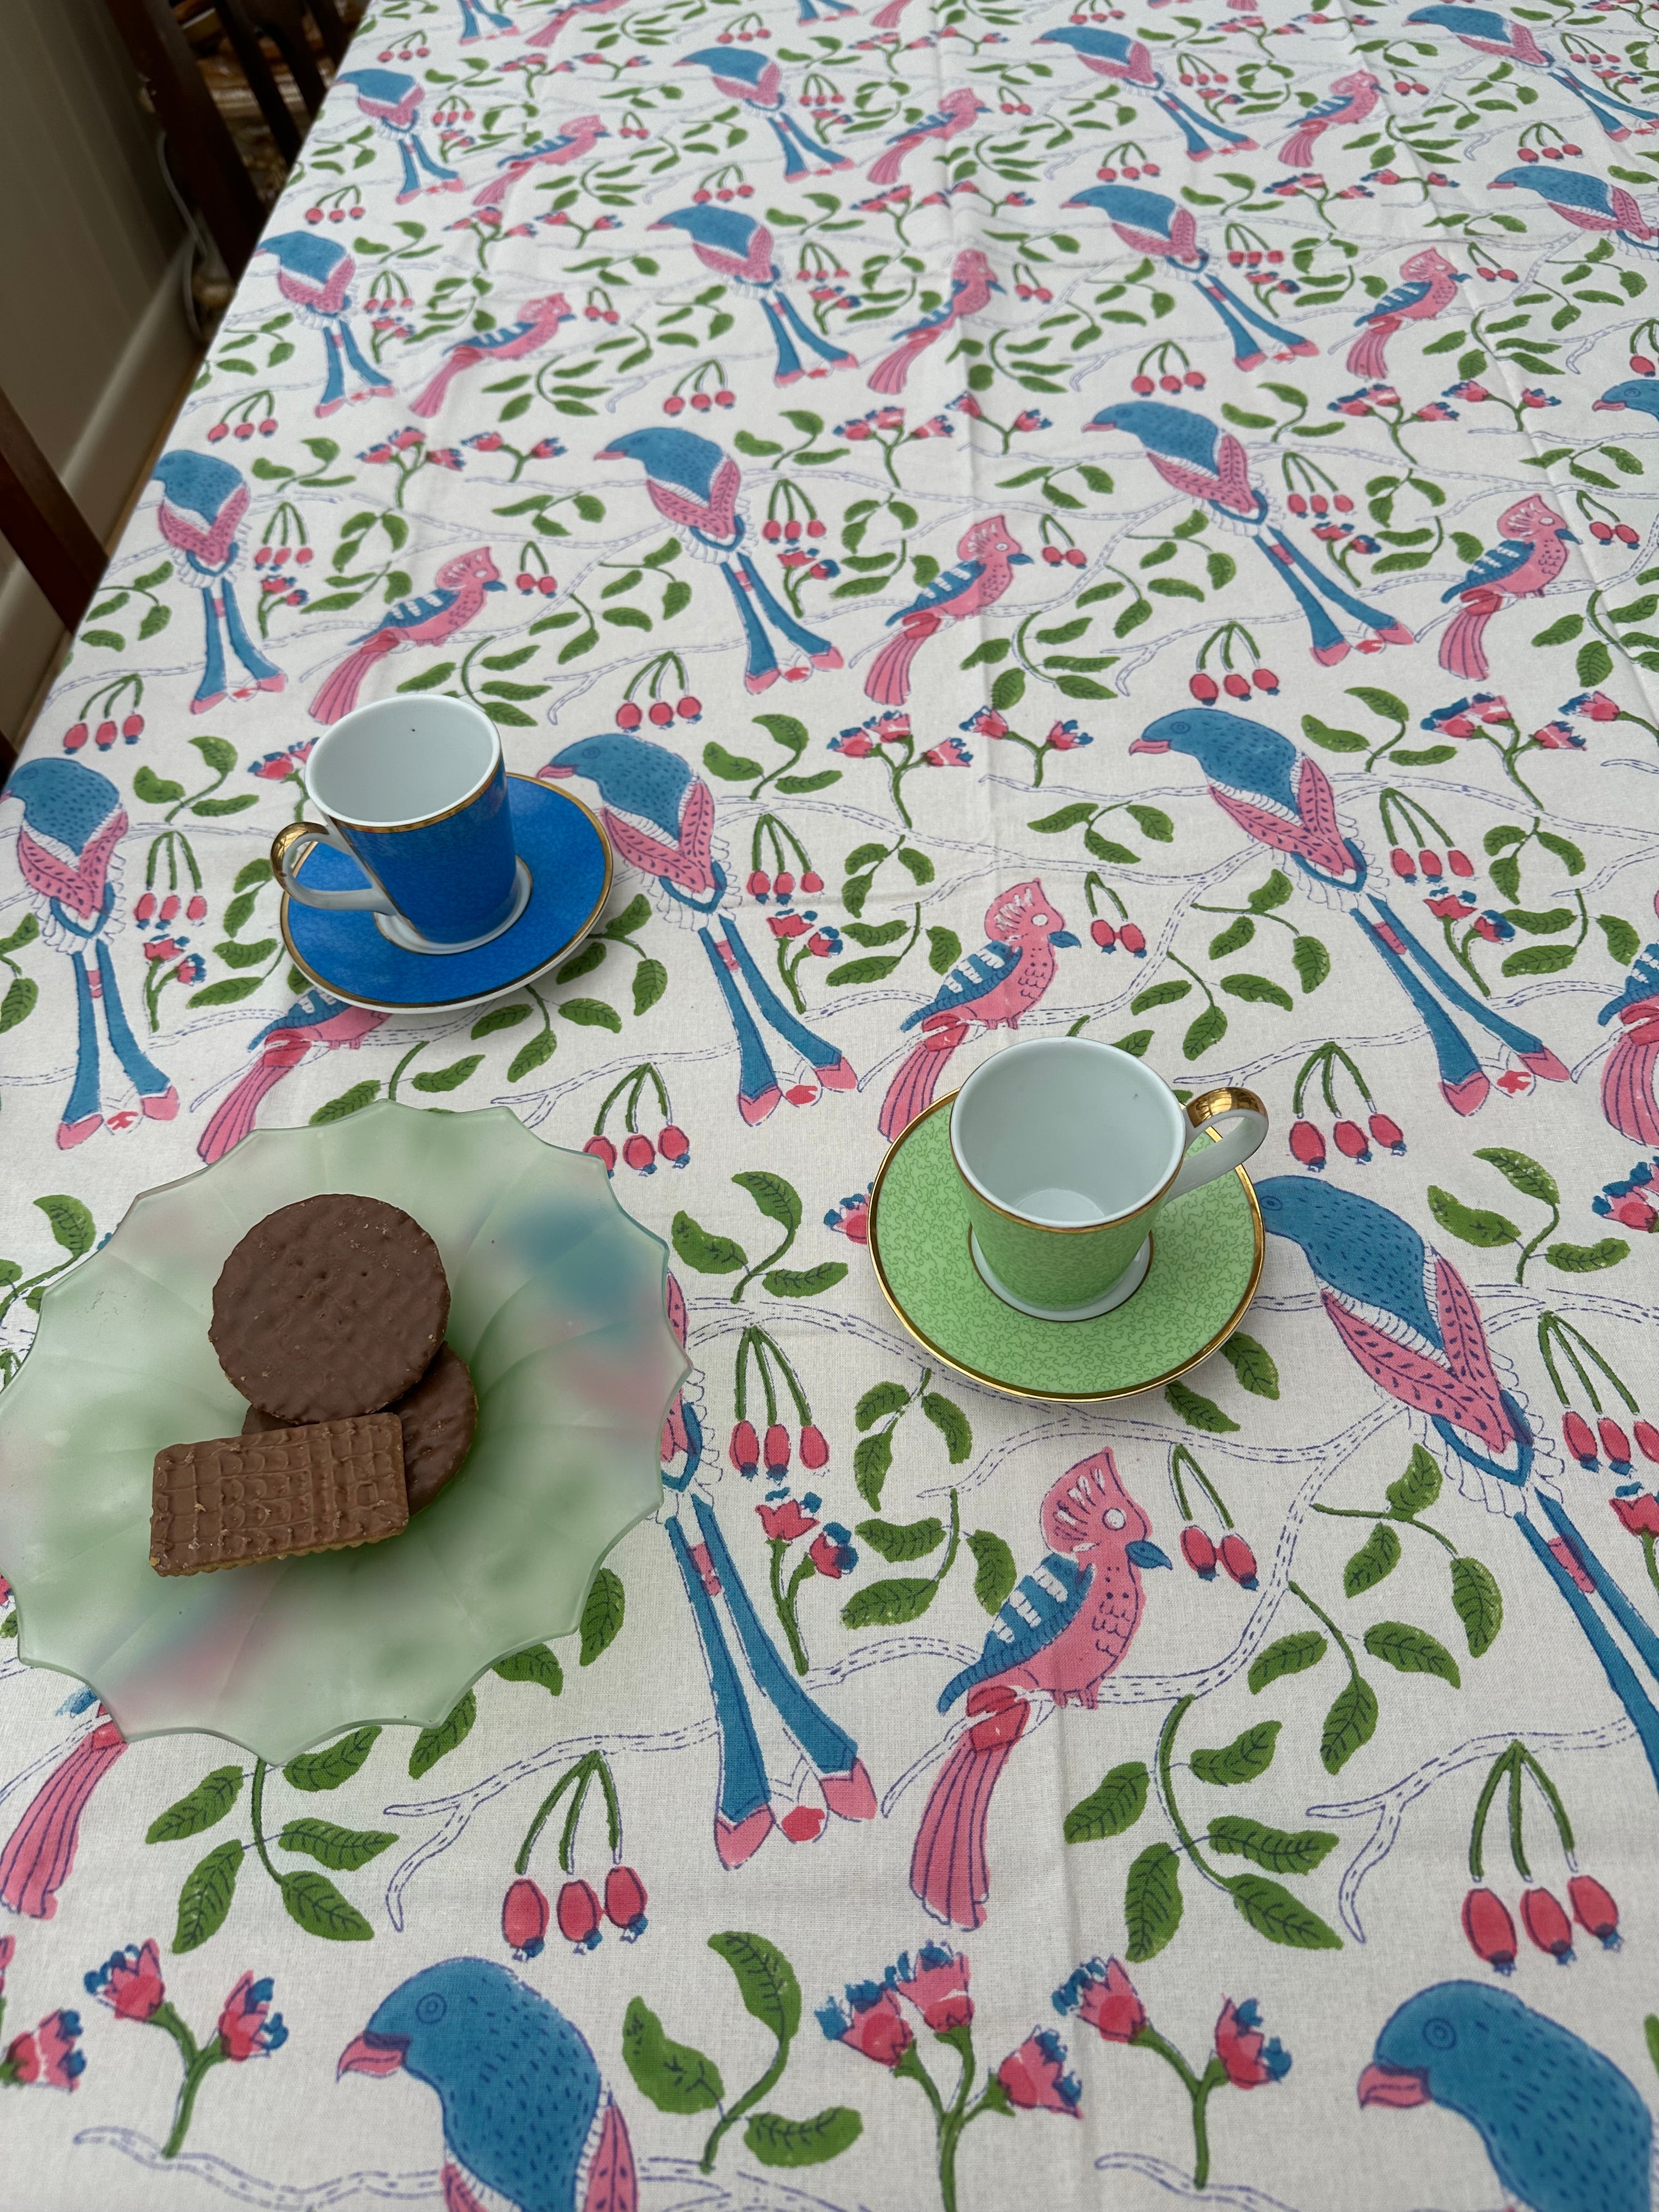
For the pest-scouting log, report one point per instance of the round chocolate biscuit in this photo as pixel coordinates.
(438, 1417)
(330, 1307)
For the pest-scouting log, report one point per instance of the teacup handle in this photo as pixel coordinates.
(289, 848)
(1240, 1121)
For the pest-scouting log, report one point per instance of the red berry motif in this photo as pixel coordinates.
(1133, 940)
(196, 908)
(674, 1146)
(628, 716)
(603, 1149)
(75, 737)
(690, 709)
(1238, 1559)
(1104, 934)
(1234, 685)
(1547, 1925)
(1614, 1442)
(524, 1916)
(578, 1915)
(1203, 688)
(1491, 1931)
(744, 1449)
(1307, 1145)
(1386, 1133)
(814, 1448)
(624, 1903)
(661, 712)
(105, 736)
(1580, 1442)
(640, 1154)
(145, 907)
(1594, 1910)
(776, 1450)
(1198, 1552)
(1350, 1140)
(1647, 1441)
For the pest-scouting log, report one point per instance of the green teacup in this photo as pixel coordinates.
(1067, 1149)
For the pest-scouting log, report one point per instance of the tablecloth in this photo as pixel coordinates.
(1139, 523)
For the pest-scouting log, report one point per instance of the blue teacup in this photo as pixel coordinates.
(413, 791)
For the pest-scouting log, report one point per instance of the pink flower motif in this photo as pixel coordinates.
(1248, 2056)
(1595, 704)
(784, 1523)
(851, 1217)
(832, 1554)
(1105, 1999)
(47, 2054)
(853, 743)
(248, 2026)
(37, 1859)
(870, 2022)
(1640, 1514)
(1558, 738)
(129, 1982)
(1034, 2077)
(950, 752)
(1634, 1211)
(936, 1983)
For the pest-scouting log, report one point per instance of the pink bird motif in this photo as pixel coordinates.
(956, 113)
(548, 32)
(992, 988)
(316, 1019)
(1429, 286)
(1352, 100)
(985, 557)
(1532, 554)
(433, 620)
(1064, 1629)
(574, 142)
(536, 321)
(971, 286)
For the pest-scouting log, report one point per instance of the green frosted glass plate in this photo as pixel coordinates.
(1206, 1264)
(557, 1306)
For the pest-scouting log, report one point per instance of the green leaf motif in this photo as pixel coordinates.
(1524, 1175)
(1478, 1602)
(1410, 1650)
(1270, 1909)
(535, 1663)
(1252, 1363)
(1333, 741)
(732, 768)
(450, 1077)
(676, 2077)
(1377, 1557)
(534, 1055)
(203, 1807)
(706, 1253)
(1280, 1853)
(1273, 893)
(908, 1539)
(345, 1849)
(1197, 1412)
(1247, 1756)
(1112, 1808)
(944, 950)
(881, 1399)
(603, 1612)
(435, 1743)
(872, 1458)
(1291, 1655)
(335, 1763)
(650, 983)
(1586, 1259)
(948, 1418)
(1595, 663)
(1351, 1722)
(804, 1282)
(348, 1102)
(1419, 1487)
(777, 1200)
(1210, 1026)
(1233, 939)
(1312, 961)
(498, 1017)
(890, 1604)
(72, 1227)
(1151, 1902)
(776, 2141)
(206, 1897)
(766, 1981)
(996, 1572)
(314, 1903)
(1473, 1224)
(1624, 943)
(19, 1002)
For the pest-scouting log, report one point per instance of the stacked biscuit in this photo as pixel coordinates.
(329, 1318)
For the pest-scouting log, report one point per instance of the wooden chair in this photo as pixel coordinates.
(200, 141)
(46, 530)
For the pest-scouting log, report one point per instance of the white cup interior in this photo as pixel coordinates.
(1065, 1132)
(401, 760)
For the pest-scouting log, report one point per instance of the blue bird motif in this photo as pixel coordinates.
(67, 855)
(524, 2108)
(314, 276)
(1565, 2131)
(475, 14)
(757, 82)
(1484, 31)
(1152, 223)
(1125, 61)
(393, 100)
(1283, 800)
(1203, 463)
(1640, 392)
(694, 485)
(736, 246)
(204, 502)
(659, 815)
(1406, 1315)
(1587, 202)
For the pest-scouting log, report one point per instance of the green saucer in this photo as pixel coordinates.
(1206, 1262)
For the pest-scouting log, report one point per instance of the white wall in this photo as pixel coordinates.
(94, 347)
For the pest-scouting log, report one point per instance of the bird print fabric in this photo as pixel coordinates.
(1013, 523)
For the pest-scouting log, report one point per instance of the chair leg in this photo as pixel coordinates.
(244, 36)
(43, 525)
(334, 36)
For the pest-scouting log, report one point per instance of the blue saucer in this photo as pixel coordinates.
(569, 857)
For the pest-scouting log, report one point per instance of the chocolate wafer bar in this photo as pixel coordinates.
(438, 1417)
(237, 1500)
